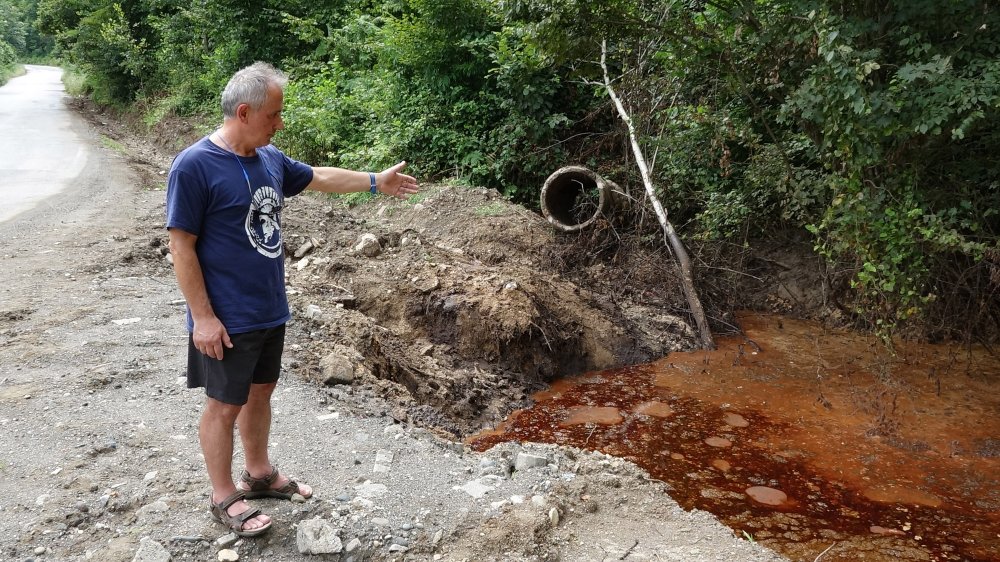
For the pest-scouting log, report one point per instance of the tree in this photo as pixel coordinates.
(680, 252)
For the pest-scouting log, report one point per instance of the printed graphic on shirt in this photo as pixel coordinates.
(263, 223)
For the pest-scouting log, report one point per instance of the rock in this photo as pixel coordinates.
(151, 551)
(524, 461)
(368, 245)
(383, 461)
(370, 490)
(226, 541)
(158, 506)
(352, 545)
(476, 488)
(313, 311)
(318, 536)
(554, 516)
(304, 249)
(342, 366)
(227, 555)
(426, 284)
(451, 302)
(108, 447)
(336, 369)
(879, 530)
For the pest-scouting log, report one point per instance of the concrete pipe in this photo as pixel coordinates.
(574, 197)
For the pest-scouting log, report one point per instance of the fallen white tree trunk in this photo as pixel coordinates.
(687, 275)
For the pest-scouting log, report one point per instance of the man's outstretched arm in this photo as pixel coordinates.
(389, 181)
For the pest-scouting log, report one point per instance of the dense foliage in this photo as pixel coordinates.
(869, 123)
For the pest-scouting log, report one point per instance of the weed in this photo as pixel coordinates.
(75, 82)
(493, 209)
(113, 144)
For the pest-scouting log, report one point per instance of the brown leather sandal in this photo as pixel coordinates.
(236, 522)
(261, 487)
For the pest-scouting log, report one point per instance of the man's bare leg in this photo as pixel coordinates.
(254, 423)
(215, 433)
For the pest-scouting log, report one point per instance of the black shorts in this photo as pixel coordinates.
(255, 358)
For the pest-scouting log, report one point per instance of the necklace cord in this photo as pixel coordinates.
(246, 176)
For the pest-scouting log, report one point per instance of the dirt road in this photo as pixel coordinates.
(40, 150)
(99, 458)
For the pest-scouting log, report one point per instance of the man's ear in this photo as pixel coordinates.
(242, 111)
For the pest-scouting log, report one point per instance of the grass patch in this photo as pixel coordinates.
(418, 197)
(157, 110)
(351, 200)
(113, 144)
(12, 71)
(75, 82)
(494, 209)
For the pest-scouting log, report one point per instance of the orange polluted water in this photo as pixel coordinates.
(810, 441)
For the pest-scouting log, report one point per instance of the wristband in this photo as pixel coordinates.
(371, 179)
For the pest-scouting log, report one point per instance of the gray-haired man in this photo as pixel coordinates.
(225, 195)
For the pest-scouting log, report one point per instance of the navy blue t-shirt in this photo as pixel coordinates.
(237, 220)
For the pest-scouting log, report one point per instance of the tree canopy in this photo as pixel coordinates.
(870, 124)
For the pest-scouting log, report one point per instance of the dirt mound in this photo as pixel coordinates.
(459, 305)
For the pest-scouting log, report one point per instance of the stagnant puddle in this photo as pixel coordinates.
(812, 442)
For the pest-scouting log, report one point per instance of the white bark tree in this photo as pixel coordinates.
(670, 235)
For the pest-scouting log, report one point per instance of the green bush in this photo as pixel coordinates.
(7, 55)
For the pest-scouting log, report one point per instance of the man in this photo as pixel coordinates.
(225, 194)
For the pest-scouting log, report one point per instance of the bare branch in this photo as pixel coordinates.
(675, 244)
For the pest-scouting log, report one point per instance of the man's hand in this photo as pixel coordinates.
(210, 337)
(391, 182)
